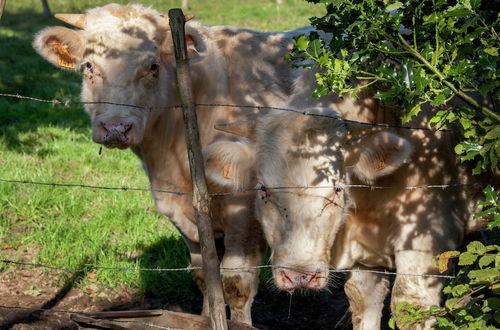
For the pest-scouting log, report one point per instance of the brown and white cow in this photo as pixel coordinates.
(126, 56)
(333, 225)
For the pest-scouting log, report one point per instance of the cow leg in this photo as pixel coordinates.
(418, 290)
(366, 293)
(244, 248)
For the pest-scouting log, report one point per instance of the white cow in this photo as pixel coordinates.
(331, 225)
(126, 56)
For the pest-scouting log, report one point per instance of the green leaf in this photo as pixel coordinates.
(476, 247)
(491, 51)
(490, 194)
(414, 110)
(302, 43)
(452, 303)
(470, 155)
(315, 46)
(441, 260)
(459, 12)
(392, 323)
(486, 260)
(467, 258)
(491, 304)
(496, 316)
(493, 134)
(394, 6)
(407, 74)
(460, 290)
(486, 275)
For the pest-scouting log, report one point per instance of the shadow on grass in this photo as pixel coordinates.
(24, 72)
(169, 289)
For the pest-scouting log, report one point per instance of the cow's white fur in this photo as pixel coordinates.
(397, 229)
(116, 51)
(237, 66)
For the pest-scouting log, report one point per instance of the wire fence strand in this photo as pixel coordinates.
(68, 103)
(223, 269)
(238, 191)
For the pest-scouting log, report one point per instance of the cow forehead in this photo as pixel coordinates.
(114, 16)
(131, 27)
(115, 44)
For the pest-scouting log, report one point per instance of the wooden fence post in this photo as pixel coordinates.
(46, 8)
(2, 6)
(201, 201)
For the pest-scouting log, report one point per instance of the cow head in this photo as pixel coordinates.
(311, 151)
(125, 55)
(300, 225)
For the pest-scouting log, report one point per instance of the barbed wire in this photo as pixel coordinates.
(223, 269)
(238, 191)
(68, 103)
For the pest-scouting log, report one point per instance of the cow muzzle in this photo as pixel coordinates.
(293, 279)
(116, 134)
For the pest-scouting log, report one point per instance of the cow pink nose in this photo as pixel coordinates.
(116, 134)
(300, 279)
(117, 127)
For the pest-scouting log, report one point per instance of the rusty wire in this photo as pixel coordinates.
(68, 103)
(56, 184)
(223, 269)
(234, 192)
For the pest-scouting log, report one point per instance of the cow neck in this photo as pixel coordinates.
(163, 150)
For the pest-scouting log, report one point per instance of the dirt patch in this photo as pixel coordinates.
(31, 288)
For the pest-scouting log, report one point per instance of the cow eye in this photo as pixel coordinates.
(88, 66)
(154, 67)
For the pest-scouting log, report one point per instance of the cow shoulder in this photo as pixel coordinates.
(377, 155)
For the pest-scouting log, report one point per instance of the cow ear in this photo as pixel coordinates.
(244, 129)
(229, 164)
(195, 45)
(60, 46)
(377, 155)
(192, 50)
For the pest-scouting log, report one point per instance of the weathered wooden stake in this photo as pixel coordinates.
(46, 8)
(201, 201)
(2, 6)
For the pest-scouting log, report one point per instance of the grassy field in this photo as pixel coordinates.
(75, 227)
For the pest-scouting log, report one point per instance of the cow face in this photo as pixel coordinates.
(301, 224)
(125, 55)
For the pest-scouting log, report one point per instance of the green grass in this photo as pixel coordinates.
(76, 227)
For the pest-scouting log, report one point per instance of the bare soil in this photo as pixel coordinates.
(33, 288)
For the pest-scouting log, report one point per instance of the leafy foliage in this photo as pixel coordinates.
(438, 52)
(473, 301)
(415, 52)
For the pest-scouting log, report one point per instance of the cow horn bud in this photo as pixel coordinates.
(77, 20)
(166, 22)
(245, 129)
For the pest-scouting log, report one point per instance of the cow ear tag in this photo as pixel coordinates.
(381, 164)
(64, 57)
(225, 173)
